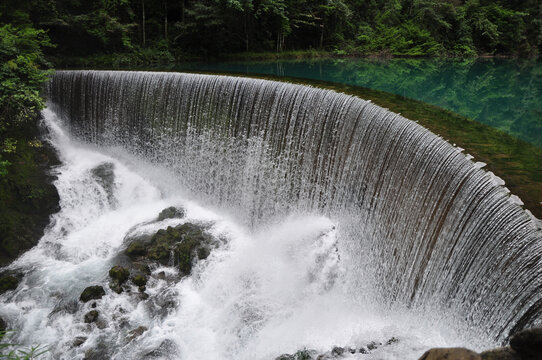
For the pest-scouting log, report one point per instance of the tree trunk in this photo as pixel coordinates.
(246, 32)
(165, 19)
(143, 20)
(322, 37)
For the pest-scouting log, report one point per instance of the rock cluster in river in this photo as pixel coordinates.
(336, 352)
(176, 247)
(525, 345)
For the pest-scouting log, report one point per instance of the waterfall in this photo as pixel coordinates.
(424, 226)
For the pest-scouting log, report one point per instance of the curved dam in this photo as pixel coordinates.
(420, 228)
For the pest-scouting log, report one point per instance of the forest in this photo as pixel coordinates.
(131, 32)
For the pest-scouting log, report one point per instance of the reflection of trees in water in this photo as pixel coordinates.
(502, 93)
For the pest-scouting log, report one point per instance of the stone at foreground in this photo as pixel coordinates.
(528, 343)
(450, 354)
(92, 293)
(503, 353)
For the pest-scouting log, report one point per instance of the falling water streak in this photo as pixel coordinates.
(437, 229)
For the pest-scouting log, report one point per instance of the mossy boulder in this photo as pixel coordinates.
(139, 280)
(119, 274)
(182, 244)
(95, 292)
(171, 212)
(136, 248)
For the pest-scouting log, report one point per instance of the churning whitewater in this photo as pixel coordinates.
(270, 289)
(334, 223)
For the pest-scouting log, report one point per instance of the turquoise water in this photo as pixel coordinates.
(505, 94)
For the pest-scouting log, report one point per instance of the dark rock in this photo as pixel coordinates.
(166, 349)
(170, 213)
(392, 341)
(135, 249)
(337, 351)
(300, 355)
(69, 306)
(504, 353)
(136, 333)
(139, 280)
(92, 293)
(351, 350)
(161, 275)
(119, 274)
(373, 345)
(116, 287)
(93, 305)
(528, 343)
(104, 175)
(100, 352)
(141, 267)
(193, 240)
(362, 350)
(450, 354)
(8, 282)
(91, 316)
(101, 323)
(3, 325)
(143, 295)
(78, 341)
(142, 288)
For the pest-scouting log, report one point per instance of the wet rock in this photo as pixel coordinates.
(95, 292)
(528, 343)
(167, 349)
(373, 345)
(68, 306)
(450, 354)
(363, 350)
(351, 350)
(337, 351)
(139, 280)
(300, 355)
(93, 305)
(135, 249)
(504, 353)
(119, 274)
(161, 275)
(3, 325)
(393, 340)
(143, 296)
(78, 341)
(137, 332)
(91, 316)
(116, 287)
(101, 323)
(104, 174)
(98, 353)
(170, 213)
(8, 282)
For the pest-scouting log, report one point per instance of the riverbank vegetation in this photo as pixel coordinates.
(134, 32)
(27, 196)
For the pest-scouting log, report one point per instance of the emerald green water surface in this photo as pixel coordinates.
(505, 94)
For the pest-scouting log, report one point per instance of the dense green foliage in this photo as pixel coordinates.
(131, 32)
